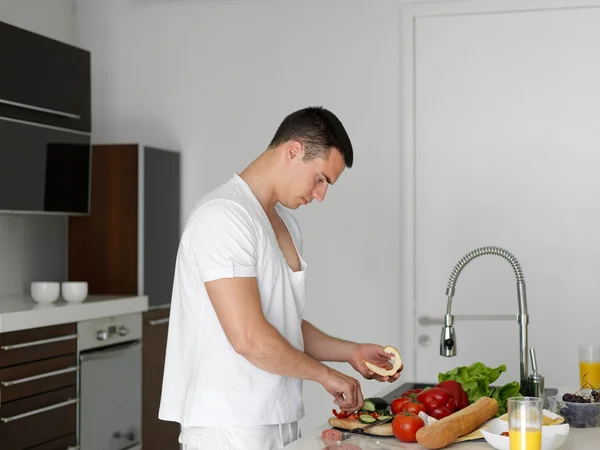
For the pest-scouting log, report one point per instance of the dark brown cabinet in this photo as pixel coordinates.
(38, 388)
(156, 434)
(128, 246)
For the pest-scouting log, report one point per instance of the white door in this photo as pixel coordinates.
(506, 152)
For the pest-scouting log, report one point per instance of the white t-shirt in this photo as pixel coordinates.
(206, 383)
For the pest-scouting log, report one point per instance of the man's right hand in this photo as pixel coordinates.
(345, 390)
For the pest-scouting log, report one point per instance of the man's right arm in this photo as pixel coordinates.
(238, 307)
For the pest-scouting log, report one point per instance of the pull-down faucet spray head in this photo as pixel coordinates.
(448, 339)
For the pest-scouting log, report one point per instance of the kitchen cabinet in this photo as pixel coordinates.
(38, 388)
(156, 434)
(128, 245)
(44, 81)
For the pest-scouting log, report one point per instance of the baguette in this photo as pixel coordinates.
(445, 431)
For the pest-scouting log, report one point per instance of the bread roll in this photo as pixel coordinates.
(445, 431)
(396, 363)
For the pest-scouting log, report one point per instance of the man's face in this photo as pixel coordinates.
(309, 180)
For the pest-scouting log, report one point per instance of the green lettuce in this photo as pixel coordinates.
(476, 380)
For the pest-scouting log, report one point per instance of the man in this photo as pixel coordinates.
(238, 348)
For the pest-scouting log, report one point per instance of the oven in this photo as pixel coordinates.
(110, 383)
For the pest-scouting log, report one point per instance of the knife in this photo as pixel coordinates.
(361, 430)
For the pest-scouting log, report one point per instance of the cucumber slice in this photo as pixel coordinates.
(385, 417)
(367, 418)
(374, 403)
(383, 412)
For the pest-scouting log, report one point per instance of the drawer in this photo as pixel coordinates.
(39, 419)
(68, 442)
(18, 347)
(38, 377)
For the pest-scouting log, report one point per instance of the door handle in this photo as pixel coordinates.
(40, 109)
(39, 411)
(426, 320)
(40, 342)
(159, 321)
(38, 377)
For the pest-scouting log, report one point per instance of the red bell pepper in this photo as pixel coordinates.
(411, 393)
(438, 402)
(458, 393)
(341, 414)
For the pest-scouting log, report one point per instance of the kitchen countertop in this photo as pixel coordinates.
(579, 439)
(21, 312)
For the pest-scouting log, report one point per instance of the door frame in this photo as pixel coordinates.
(409, 14)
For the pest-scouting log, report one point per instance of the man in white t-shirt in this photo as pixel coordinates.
(238, 347)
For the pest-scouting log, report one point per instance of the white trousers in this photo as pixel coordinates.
(265, 437)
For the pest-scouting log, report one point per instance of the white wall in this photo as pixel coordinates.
(215, 79)
(34, 247)
(54, 19)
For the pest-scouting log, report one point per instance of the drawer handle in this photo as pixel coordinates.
(39, 411)
(159, 321)
(40, 109)
(38, 377)
(42, 342)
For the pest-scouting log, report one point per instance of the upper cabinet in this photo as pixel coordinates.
(44, 81)
(45, 125)
(128, 243)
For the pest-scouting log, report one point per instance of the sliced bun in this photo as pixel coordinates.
(396, 363)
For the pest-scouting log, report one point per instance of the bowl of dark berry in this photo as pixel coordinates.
(580, 410)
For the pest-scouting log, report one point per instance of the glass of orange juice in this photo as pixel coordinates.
(525, 423)
(589, 366)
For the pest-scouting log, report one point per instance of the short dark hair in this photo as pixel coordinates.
(319, 130)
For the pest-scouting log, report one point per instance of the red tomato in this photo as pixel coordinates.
(412, 407)
(397, 403)
(405, 426)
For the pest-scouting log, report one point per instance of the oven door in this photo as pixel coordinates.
(111, 397)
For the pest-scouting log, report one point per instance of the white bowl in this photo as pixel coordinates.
(45, 291)
(553, 436)
(74, 291)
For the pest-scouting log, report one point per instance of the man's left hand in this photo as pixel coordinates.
(376, 355)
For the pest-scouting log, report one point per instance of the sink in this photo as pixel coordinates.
(406, 386)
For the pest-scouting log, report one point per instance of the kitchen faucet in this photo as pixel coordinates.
(448, 338)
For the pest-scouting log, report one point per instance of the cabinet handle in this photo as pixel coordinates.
(159, 321)
(39, 411)
(37, 377)
(40, 109)
(73, 448)
(42, 342)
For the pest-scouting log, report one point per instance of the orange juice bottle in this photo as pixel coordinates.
(531, 439)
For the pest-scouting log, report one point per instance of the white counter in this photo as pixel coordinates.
(579, 439)
(22, 312)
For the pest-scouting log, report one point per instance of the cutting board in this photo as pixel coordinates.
(384, 429)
